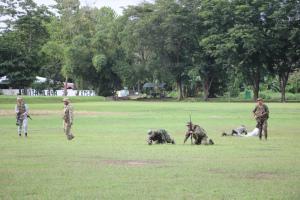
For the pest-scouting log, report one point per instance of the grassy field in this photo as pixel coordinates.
(109, 158)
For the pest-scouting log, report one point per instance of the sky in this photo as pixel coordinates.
(114, 4)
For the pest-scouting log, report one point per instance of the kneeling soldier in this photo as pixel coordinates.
(198, 133)
(161, 136)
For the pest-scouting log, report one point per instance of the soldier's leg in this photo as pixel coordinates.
(20, 126)
(265, 126)
(173, 141)
(224, 134)
(25, 122)
(204, 141)
(233, 132)
(259, 130)
(68, 132)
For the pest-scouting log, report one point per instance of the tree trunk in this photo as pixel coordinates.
(66, 84)
(179, 91)
(139, 87)
(48, 90)
(206, 85)
(283, 79)
(20, 90)
(283, 95)
(254, 81)
(77, 94)
(25, 90)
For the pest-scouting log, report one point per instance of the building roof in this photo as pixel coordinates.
(154, 85)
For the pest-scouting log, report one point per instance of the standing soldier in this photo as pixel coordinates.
(161, 136)
(68, 117)
(199, 135)
(21, 110)
(261, 114)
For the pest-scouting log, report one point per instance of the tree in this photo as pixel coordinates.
(248, 39)
(22, 41)
(286, 42)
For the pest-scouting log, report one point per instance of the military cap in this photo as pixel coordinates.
(259, 99)
(149, 132)
(188, 123)
(19, 98)
(66, 100)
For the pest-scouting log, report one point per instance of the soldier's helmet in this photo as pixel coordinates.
(188, 123)
(149, 132)
(19, 98)
(66, 100)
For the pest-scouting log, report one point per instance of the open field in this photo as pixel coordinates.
(109, 158)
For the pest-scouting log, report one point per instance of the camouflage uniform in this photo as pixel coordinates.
(238, 131)
(23, 108)
(199, 135)
(68, 117)
(258, 110)
(161, 136)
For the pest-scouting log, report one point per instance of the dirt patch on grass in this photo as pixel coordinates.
(30, 157)
(259, 175)
(59, 112)
(124, 162)
(267, 149)
(216, 171)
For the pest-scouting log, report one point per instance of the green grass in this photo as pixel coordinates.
(109, 159)
(12, 99)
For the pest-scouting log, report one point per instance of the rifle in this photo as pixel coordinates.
(259, 119)
(18, 118)
(191, 130)
(149, 142)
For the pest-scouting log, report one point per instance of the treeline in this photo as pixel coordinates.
(214, 46)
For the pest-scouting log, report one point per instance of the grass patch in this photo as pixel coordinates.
(12, 99)
(109, 159)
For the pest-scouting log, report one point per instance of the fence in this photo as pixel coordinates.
(32, 92)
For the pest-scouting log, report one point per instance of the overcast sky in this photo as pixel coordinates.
(114, 4)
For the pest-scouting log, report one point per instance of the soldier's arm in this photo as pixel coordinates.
(245, 130)
(16, 109)
(71, 115)
(254, 110)
(266, 109)
(186, 137)
(26, 110)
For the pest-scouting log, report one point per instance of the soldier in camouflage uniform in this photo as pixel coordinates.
(68, 117)
(22, 109)
(236, 132)
(261, 113)
(161, 136)
(199, 135)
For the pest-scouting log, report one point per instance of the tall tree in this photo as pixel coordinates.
(28, 32)
(286, 41)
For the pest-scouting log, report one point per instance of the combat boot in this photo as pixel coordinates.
(20, 135)
(173, 142)
(26, 135)
(266, 136)
(72, 136)
(224, 134)
(211, 142)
